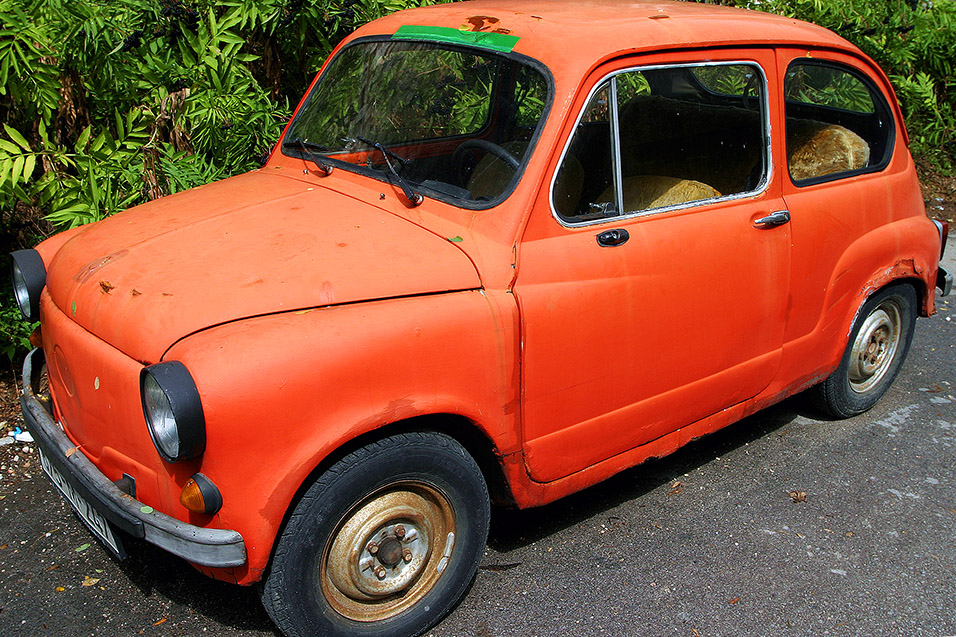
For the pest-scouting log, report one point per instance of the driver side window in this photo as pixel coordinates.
(658, 138)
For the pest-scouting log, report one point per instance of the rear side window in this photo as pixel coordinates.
(838, 123)
(656, 138)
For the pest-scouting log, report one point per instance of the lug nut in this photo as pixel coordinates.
(372, 548)
(399, 531)
(380, 571)
(407, 556)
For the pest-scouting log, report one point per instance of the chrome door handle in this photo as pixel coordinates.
(777, 218)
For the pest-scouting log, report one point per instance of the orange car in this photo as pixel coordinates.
(502, 251)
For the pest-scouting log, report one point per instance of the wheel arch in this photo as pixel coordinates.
(871, 290)
(841, 394)
(462, 430)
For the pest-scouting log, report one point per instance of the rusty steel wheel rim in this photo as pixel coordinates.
(388, 551)
(875, 347)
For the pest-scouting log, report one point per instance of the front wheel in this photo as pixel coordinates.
(385, 542)
(878, 346)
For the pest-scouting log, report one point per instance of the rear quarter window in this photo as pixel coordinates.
(838, 123)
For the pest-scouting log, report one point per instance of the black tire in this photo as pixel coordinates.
(423, 501)
(878, 346)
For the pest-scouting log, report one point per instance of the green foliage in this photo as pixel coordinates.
(106, 104)
(826, 86)
(110, 103)
(395, 92)
(14, 331)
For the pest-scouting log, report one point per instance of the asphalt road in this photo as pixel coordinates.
(703, 543)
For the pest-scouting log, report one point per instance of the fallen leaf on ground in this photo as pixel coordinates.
(89, 581)
(799, 496)
(735, 600)
(161, 621)
(82, 547)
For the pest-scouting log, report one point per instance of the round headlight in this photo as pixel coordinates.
(173, 411)
(29, 277)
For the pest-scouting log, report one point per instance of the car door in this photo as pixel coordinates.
(653, 287)
(847, 180)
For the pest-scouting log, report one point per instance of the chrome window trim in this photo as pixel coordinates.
(768, 156)
(616, 178)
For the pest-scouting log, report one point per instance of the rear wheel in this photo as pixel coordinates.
(385, 542)
(878, 346)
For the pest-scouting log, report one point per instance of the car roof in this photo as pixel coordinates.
(569, 34)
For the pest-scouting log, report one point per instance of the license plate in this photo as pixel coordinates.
(90, 516)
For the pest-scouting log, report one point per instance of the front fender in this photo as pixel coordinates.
(284, 391)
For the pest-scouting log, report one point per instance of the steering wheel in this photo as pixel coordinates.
(460, 155)
(749, 102)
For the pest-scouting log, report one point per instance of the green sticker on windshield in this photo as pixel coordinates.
(488, 40)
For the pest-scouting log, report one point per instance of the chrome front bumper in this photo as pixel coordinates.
(206, 547)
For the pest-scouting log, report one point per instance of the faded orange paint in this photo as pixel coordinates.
(313, 311)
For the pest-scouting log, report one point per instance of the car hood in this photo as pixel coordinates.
(250, 245)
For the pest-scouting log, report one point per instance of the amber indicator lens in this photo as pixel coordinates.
(191, 497)
(200, 495)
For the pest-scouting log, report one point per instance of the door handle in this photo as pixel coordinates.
(611, 238)
(777, 218)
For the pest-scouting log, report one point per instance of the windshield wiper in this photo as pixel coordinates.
(413, 197)
(305, 146)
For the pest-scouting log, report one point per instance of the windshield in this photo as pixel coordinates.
(454, 124)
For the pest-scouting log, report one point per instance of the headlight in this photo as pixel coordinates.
(173, 411)
(29, 277)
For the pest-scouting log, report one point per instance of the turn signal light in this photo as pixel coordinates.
(200, 495)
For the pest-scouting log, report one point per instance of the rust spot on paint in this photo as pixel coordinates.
(483, 24)
(107, 287)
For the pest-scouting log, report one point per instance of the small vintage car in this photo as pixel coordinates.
(502, 251)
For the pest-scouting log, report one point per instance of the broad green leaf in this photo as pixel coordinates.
(17, 137)
(17, 171)
(28, 167)
(98, 142)
(84, 137)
